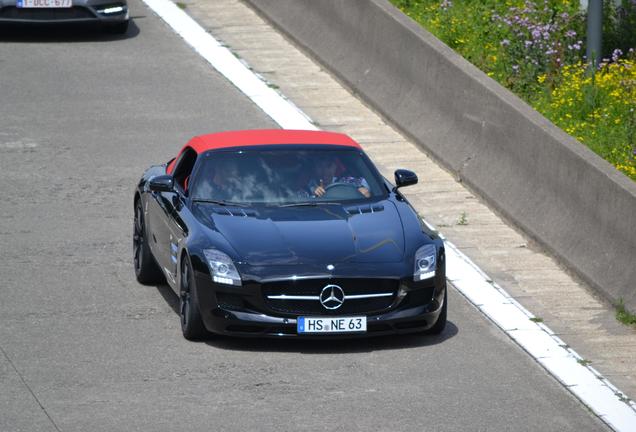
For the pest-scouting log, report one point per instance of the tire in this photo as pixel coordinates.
(117, 28)
(146, 269)
(189, 313)
(440, 324)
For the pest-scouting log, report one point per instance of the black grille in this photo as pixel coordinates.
(45, 14)
(313, 287)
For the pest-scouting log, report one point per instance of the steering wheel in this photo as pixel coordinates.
(340, 190)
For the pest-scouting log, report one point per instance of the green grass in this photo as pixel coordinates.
(624, 315)
(622, 397)
(536, 319)
(584, 362)
(182, 5)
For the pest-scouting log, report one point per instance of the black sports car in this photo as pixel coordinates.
(287, 233)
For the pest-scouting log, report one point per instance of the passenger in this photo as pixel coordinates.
(225, 180)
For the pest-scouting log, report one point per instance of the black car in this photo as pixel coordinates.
(287, 233)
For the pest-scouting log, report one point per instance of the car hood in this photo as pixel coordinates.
(320, 234)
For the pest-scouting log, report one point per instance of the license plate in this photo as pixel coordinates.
(331, 325)
(44, 3)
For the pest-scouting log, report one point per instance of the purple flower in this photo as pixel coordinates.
(616, 54)
(515, 68)
(528, 44)
(505, 42)
(570, 33)
(446, 4)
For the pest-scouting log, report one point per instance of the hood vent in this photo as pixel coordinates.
(234, 211)
(364, 209)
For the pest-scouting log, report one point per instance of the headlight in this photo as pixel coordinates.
(425, 262)
(222, 268)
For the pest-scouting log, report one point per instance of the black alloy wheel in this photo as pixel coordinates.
(189, 312)
(146, 269)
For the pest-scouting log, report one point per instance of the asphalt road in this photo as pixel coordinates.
(84, 347)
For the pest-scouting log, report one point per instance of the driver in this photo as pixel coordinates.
(328, 172)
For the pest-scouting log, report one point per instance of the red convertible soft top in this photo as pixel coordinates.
(255, 137)
(218, 140)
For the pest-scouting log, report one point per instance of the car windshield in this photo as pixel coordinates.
(308, 176)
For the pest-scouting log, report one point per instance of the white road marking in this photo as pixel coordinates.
(279, 108)
(540, 342)
(535, 338)
(19, 144)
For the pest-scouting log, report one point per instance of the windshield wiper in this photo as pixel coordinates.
(309, 204)
(220, 202)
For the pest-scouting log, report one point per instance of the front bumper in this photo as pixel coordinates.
(249, 314)
(82, 11)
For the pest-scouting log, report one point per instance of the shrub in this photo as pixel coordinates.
(597, 109)
(619, 26)
(540, 39)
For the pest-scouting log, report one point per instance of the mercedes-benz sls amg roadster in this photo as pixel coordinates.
(287, 233)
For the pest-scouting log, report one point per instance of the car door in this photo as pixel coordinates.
(174, 207)
(161, 210)
(177, 231)
(158, 213)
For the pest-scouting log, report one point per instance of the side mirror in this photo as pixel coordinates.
(162, 183)
(404, 178)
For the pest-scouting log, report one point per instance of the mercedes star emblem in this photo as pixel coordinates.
(332, 297)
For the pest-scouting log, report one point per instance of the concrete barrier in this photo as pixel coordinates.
(552, 187)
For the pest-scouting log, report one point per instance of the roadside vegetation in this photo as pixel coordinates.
(625, 316)
(536, 48)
